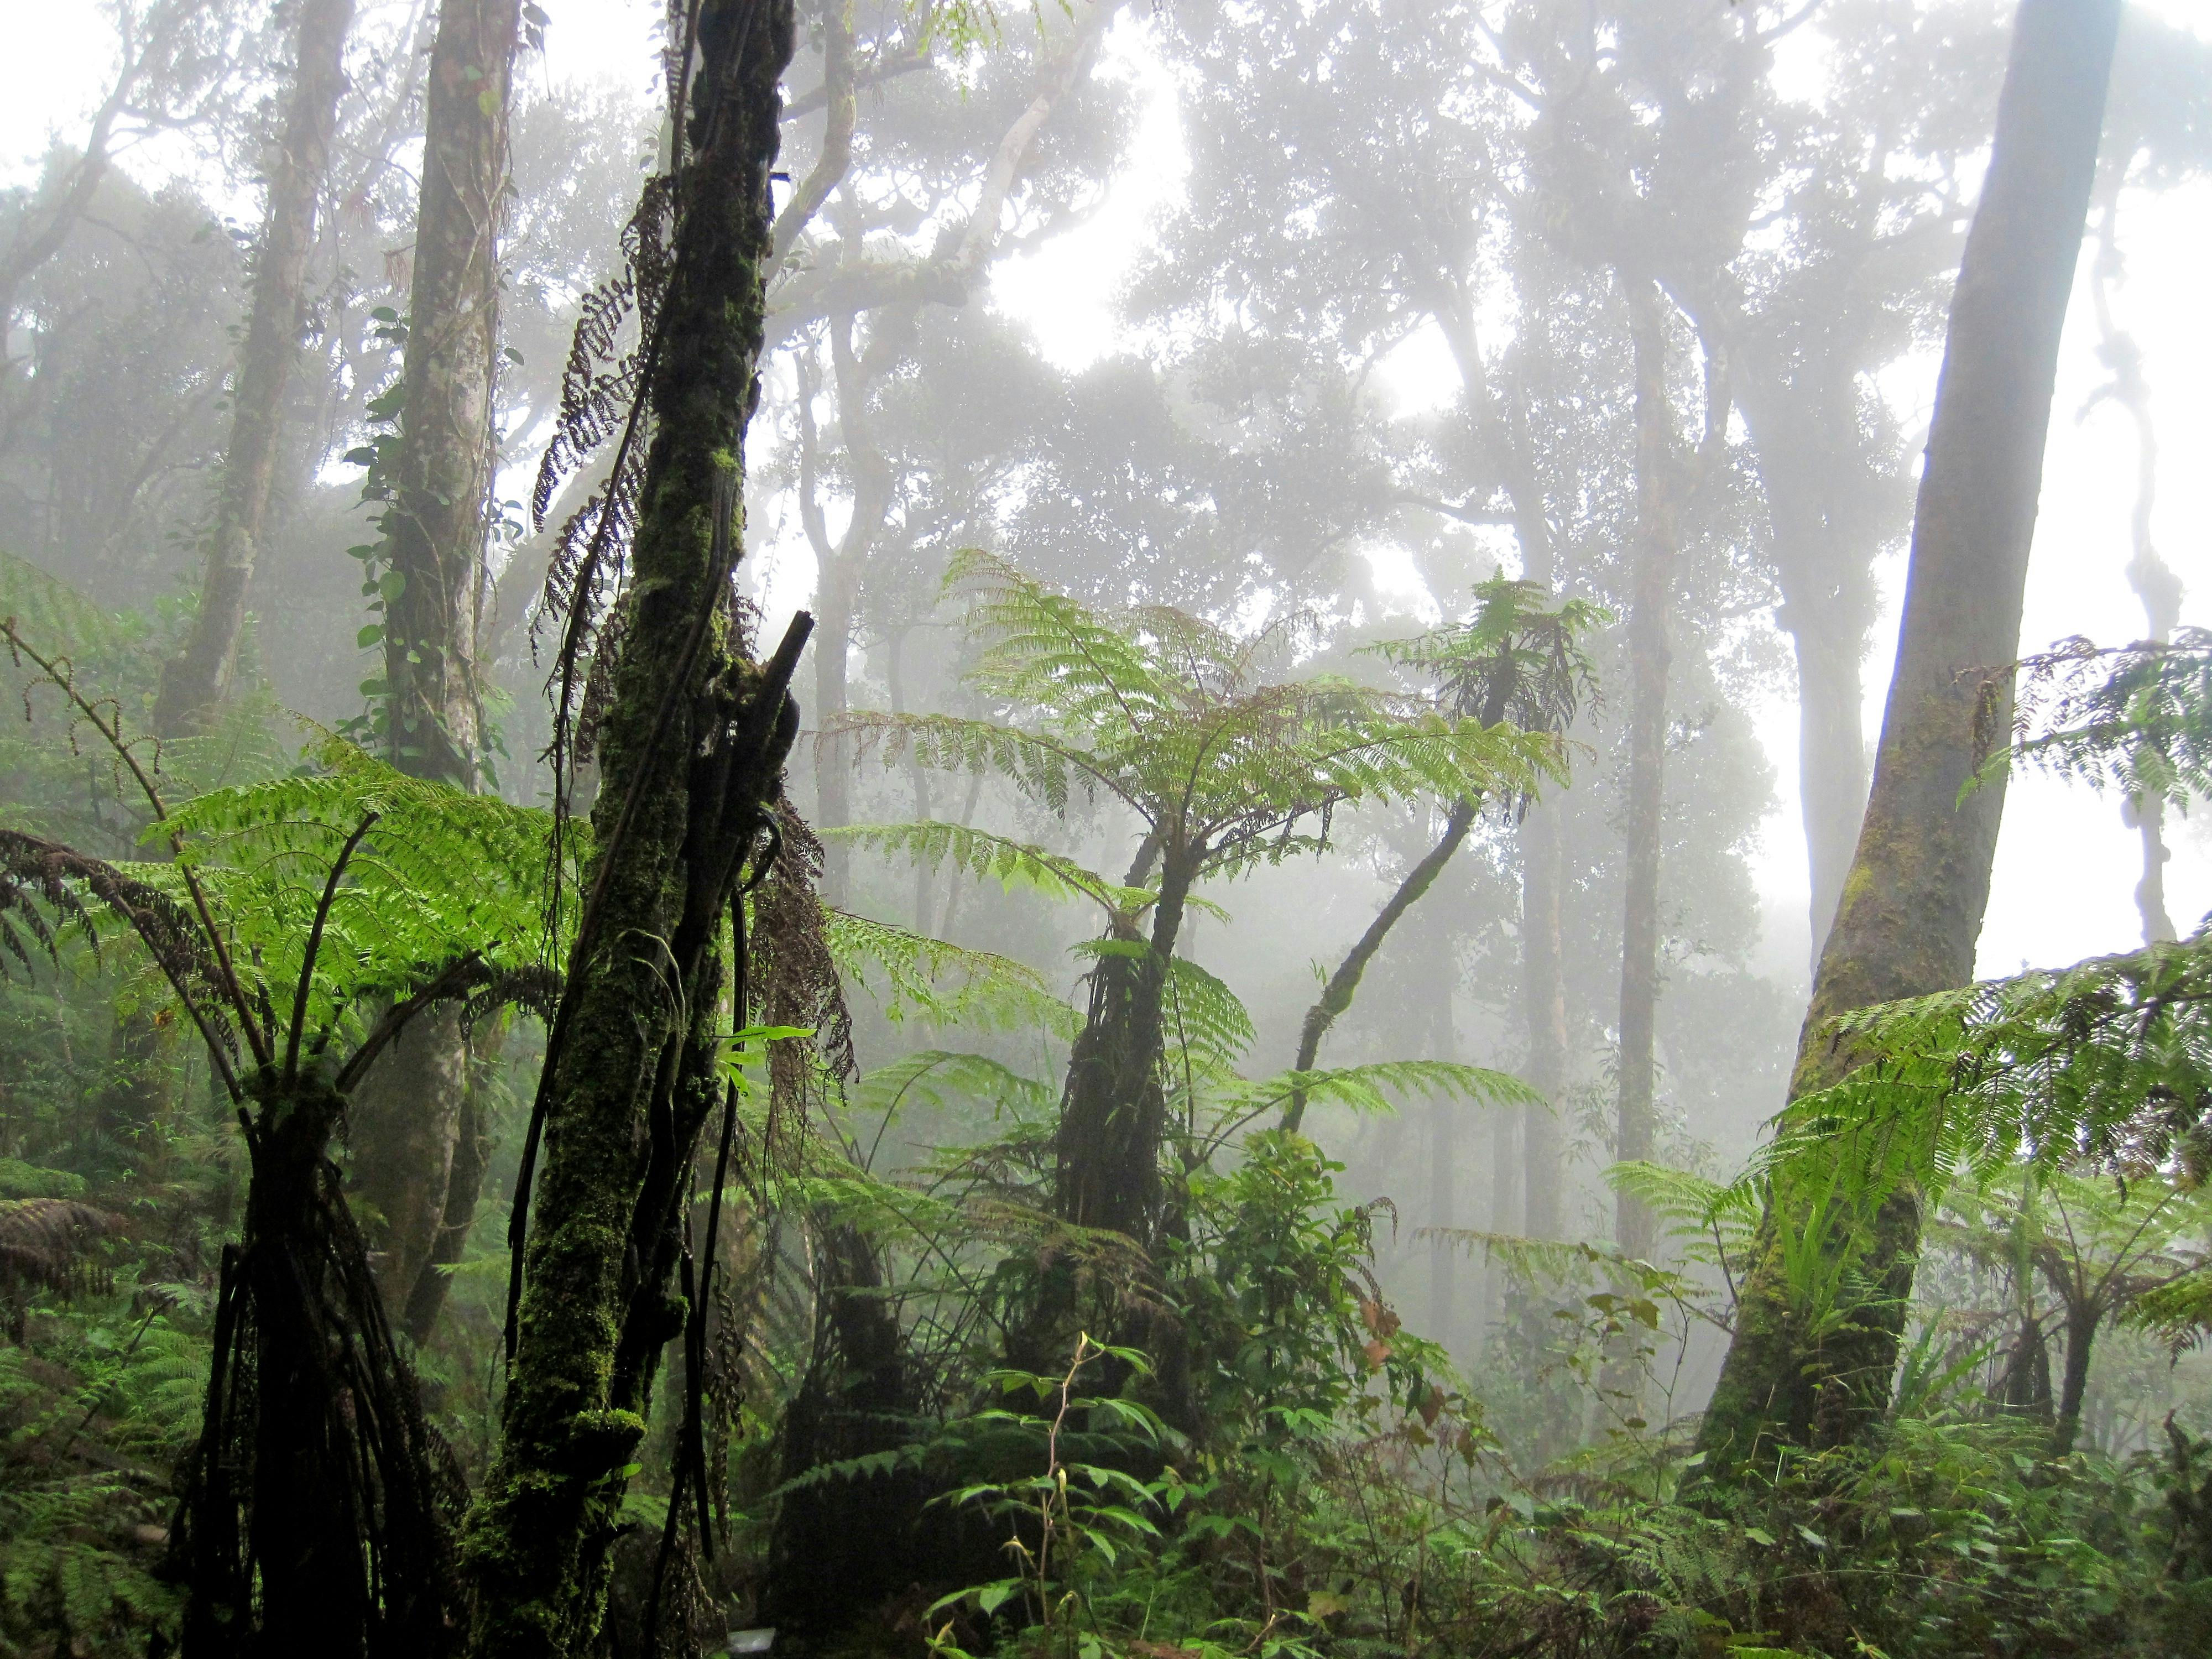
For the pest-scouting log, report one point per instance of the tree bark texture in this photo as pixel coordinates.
(1912, 906)
(200, 675)
(690, 748)
(436, 521)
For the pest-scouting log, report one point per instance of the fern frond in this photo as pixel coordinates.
(950, 984)
(1016, 867)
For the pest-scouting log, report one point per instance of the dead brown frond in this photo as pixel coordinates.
(45, 1243)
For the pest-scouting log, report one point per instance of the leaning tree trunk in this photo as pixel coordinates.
(195, 682)
(691, 747)
(408, 1112)
(1336, 995)
(1912, 906)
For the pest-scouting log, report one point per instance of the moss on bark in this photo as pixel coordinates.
(632, 1081)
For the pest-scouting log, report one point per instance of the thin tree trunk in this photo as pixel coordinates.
(2153, 579)
(1343, 984)
(1445, 1313)
(1651, 603)
(1912, 906)
(1544, 1000)
(692, 746)
(199, 677)
(1543, 982)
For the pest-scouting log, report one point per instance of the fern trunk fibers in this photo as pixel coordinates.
(314, 1523)
(1114, 1113)
(442, 487)
(691, 747)
(1343, 984)
(196, 680)
(1912, 906)
(1652, 583)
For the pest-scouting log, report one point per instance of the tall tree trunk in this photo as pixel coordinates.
(1652, 583)
(1446, 1315)
(1914, 903)
(197, 679)
(840, 565)
(408, 1111)
(1498, 427)
(691, 747)
(435, 523)
(1832, 764)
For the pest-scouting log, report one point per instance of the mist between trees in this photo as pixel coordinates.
(704, 956)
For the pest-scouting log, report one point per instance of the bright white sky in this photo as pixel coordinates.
(2066, 867)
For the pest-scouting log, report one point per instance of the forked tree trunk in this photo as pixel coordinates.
(1912, 906)
(691, 747)
(196, 680)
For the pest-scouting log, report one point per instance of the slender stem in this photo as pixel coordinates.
(314, 947)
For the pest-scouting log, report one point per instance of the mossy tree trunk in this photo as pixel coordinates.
(196, 681)
(408, 1114)
(1912, 906)
(1114, 1109)
(690, 748)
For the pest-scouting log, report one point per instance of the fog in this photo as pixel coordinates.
(1304, 321)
